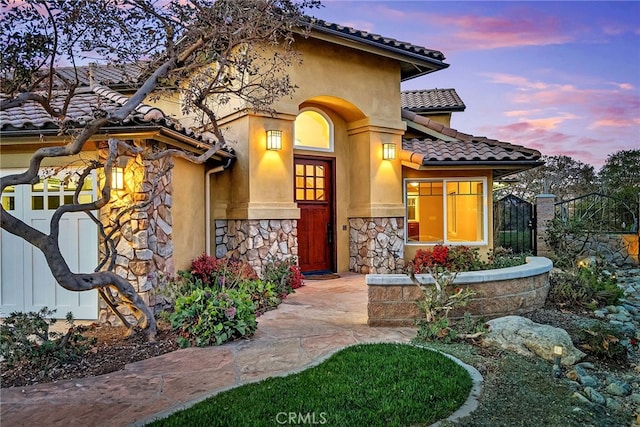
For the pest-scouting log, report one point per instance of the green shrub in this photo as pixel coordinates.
(501, 257)
(218, 299)
(435, 330)
(603, 341)
(286, 274)
(584, 288)
(26, 339)
(265, 295)
(212, 317)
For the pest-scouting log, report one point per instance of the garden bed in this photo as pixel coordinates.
(498, 292)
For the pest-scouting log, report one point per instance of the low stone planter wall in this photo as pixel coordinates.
(500, 292)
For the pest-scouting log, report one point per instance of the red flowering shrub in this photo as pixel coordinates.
(427, 259)
(463, 258)
(203, 268)
(295, 280)
(285, 273)
(440, 255)
(223, 272)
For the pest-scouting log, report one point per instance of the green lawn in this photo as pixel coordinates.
(364, 385)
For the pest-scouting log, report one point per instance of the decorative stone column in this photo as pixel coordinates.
(376, 245)
(139, 218)
(545, 212)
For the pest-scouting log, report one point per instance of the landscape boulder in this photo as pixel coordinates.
(525, 337)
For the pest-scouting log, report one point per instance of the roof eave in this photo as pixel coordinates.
(155, 132)
(416, 65)
(419, 110)
(500, 168)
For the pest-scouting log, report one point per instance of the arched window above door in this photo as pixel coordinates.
(313, 131)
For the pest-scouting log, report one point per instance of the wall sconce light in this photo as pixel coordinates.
(274, 140)
(117, 178)
(388, 151)
(557, 356)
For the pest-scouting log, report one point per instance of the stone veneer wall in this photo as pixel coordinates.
(376, 245)
(144, 242)
(618, 249)
(500, 292)
(257, 241)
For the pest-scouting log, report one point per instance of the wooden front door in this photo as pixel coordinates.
(316, 231)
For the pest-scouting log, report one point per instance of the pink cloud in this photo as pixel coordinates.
(587, 149)
(517, 27)
(605, 107)
(513, 80)
(551, 122)
(615, 122)
(519, 113)
(623, 86)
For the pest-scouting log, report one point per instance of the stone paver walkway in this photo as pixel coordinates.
(316, 321)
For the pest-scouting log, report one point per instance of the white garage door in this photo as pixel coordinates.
(26, 282)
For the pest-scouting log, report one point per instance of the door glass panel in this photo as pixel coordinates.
(53, 202)
(53, 184)
(310, 183)
(38, 187)
(37, 203)
(8, 199)
(68, 199)
(8, 203)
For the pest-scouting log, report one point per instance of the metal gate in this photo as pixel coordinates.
(600, 213)
(514, 224)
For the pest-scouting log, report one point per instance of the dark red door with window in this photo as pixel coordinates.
(314, 196)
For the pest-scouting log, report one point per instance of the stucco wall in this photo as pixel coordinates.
(188, 212)
(336, 80)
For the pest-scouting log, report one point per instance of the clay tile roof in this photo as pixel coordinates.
(409, 50)
(114, 76)
(432, 100)
(464, 149)
(85, 105)
(379, 39)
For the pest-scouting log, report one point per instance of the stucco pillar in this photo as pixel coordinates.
(545, 211)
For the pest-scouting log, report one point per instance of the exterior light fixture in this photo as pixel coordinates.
(557, 356)
(388, 151)
(274, 140)
(117, 178)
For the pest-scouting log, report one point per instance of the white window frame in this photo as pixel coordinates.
(330, 149)
(485, 211)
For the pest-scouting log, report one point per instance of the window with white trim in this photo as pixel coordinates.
(313, 131)
(450, 211)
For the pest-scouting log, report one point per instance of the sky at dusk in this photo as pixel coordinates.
(562, 77)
